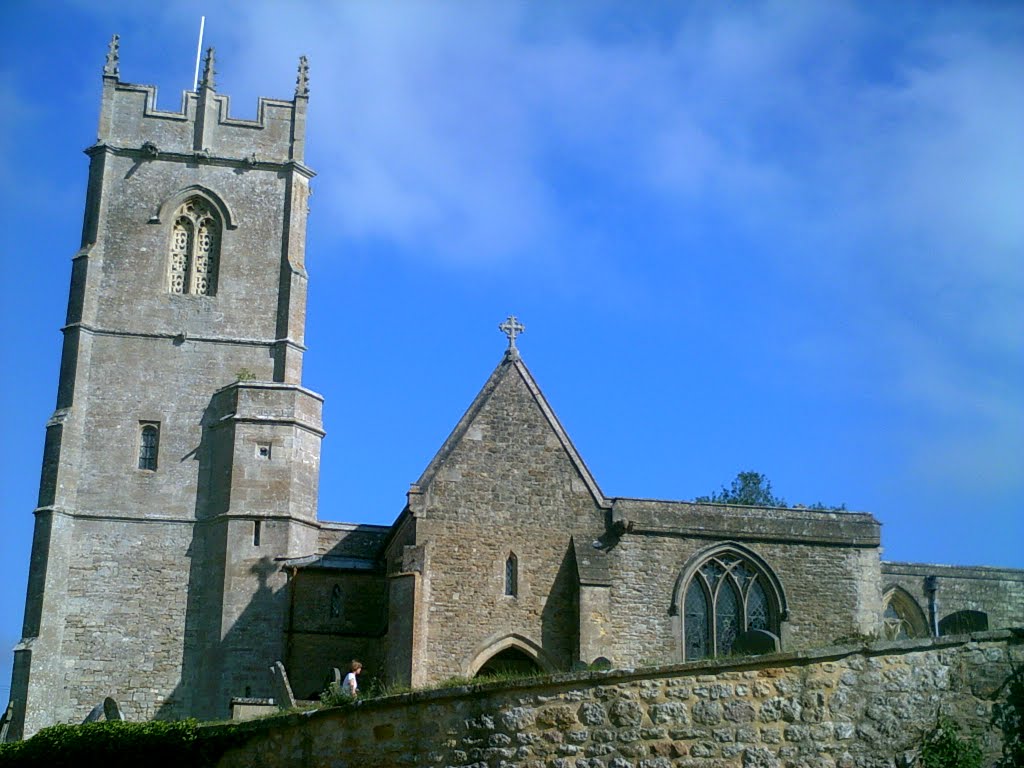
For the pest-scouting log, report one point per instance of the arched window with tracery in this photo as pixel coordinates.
(902, 617)
(726, 594)
(195, 248)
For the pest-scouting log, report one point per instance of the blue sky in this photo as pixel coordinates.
(786, 237)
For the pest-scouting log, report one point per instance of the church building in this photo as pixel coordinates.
(178, 551)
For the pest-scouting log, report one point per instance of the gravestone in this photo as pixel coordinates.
(5, 722)
(110, 709)
(754, 642)
(105, 710)
(282, 688)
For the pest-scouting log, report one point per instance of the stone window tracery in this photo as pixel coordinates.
(726, 596)
(195, 249)
(902, 618)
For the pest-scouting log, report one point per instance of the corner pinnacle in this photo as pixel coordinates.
(208, 71)
(302, 81)
(112, 66)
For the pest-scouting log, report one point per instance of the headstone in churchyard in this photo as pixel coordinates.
(754, 642)
(334, 686)
(5, 722)
(282, 688)
(105, 710)
(110, 709)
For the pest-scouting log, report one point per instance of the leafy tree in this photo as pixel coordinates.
(751, 488)
(755, 490)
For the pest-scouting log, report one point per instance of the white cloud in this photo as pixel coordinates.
(869, 155)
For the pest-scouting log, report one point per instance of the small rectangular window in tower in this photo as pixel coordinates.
(256, 533)
(149, 444)
(512, 575)
(263, 450)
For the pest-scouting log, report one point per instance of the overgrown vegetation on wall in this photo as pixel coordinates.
(1008, 716)
(945, 747)
(121, 744)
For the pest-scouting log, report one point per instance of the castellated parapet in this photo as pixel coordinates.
(183, 455)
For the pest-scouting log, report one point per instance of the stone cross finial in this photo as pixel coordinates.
(208, 71)
(112, 68)
(512, 328)
(302, 81)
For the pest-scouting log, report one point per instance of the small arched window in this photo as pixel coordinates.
(195, 249)
(726, 595)
(149, 446)
(964, 622)
(512, 575)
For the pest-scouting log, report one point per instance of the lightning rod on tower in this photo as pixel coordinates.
(199, 53)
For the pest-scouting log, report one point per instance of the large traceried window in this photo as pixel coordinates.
(726, 595)
(195, 249)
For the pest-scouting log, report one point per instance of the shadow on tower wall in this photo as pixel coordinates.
(222, 657)
(560, 617)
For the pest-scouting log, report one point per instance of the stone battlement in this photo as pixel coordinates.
(130, 122)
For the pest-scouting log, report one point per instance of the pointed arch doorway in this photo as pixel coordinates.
(509, 654)
(511, 661)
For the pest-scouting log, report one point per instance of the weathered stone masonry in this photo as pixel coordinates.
(844, 707)
(147, 582)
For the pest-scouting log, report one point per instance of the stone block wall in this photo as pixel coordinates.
(122, 598)
(351, 539)
(999, 592)
(841, 707)
(326, 632)
(132, 115)
(121, 575)
(506, 486)
(816, 578)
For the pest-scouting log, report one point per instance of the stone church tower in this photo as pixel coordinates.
(183, 454)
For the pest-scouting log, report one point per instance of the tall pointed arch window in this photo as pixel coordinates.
(195, 249)
(726, 595)
(512, 575)
(902, 617)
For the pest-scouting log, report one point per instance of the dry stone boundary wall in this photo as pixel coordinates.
(849, 707)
